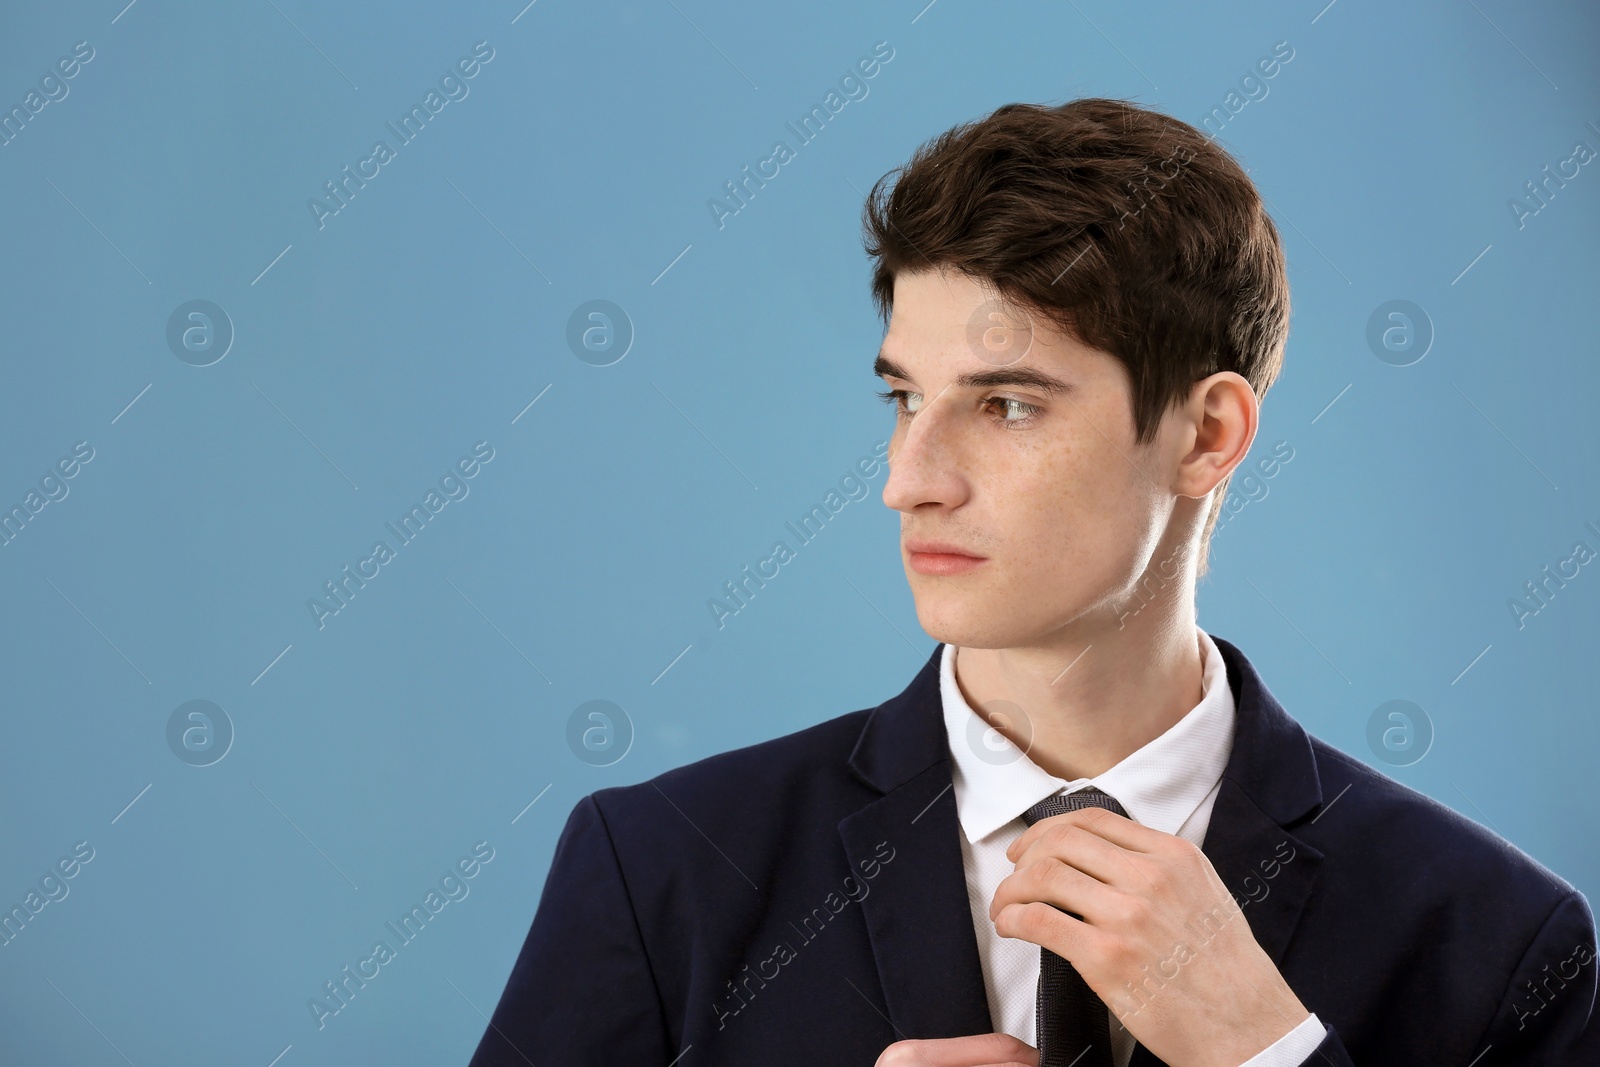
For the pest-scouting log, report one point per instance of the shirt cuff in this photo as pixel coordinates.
(1292, 1048)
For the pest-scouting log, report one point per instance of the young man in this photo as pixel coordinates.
(1086, 833)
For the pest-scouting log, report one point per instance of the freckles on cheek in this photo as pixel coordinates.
(1060, 482)
(1077, 508)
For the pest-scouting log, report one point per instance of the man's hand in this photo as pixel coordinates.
(978, 1050)
(1161, 941)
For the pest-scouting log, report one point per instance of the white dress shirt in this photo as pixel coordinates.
(1170, 785)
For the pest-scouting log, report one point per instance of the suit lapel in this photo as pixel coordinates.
(917, 912)
(1270, 782)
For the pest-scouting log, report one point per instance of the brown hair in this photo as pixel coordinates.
(1126, 228)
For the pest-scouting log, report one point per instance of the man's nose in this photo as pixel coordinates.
(924, 460)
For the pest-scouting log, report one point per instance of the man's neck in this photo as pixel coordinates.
(1084, 702)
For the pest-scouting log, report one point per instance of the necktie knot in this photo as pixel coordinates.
(1088, 797)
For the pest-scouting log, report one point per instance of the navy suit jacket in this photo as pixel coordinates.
(802, 901)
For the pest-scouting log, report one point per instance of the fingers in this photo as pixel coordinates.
(1117, 829)
(1083, 945)
(1077, 846)
(975, 1050)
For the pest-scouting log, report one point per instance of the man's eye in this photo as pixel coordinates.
(900, 399)
(908, 403)
(1024, 411)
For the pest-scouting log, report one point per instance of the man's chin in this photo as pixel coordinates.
(972, 620)
(951, 621)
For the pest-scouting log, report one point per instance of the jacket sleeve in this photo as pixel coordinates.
(1547, 1017)
(581, 991)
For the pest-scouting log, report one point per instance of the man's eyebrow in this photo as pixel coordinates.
(1025, 377)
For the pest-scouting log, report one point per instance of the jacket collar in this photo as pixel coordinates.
(920, 919)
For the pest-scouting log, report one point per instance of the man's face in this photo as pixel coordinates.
(1049, 489)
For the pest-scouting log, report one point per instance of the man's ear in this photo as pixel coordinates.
(1219, 419)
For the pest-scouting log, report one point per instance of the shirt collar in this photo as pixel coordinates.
(1160, 785)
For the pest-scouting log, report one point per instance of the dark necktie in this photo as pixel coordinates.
(1073, 1027)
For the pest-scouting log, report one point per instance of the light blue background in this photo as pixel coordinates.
(429, 312)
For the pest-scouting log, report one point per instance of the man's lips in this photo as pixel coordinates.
(939, 548)
(941, 558)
